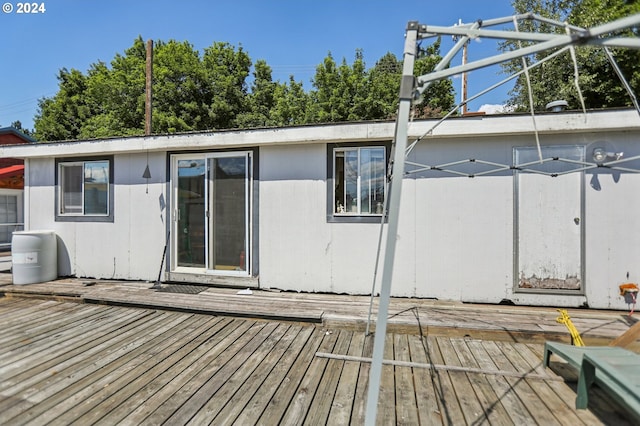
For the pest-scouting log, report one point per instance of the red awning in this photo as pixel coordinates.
(11, 171)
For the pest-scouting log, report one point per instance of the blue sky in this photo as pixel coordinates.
(293, 37)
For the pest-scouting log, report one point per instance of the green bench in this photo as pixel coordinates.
(614, 369)
(617, 372)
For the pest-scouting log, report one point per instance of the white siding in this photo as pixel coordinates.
(456, 234)
(131, 246)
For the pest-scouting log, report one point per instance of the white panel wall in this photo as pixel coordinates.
(128, 248)
(295, 242)
(455, 240)
(464, 226)
(456, 234)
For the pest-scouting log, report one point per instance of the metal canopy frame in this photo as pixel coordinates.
(411, 89)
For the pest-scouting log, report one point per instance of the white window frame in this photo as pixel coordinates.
(82, 215)
(374, 212)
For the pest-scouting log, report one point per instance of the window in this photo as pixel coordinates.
(358, 181)
(8, 218)
(84, 190)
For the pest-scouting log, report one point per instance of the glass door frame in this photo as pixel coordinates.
(248, 212)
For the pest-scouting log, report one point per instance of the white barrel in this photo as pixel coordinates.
(34, 255)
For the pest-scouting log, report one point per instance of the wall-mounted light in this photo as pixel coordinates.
(600, 155)
(147, 173)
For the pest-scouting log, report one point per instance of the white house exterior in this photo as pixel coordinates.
(269, 208)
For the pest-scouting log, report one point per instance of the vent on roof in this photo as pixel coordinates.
(557, 106)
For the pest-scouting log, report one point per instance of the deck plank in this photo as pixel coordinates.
(138, 392)
(87, 383)
(39, 377)
(321, 404)
(538, 410)
(76, 331)
(268, 404)
(222, 348)
(105, 364)
(246, 366)
(427, 396)
(127, 384)
(494, 411)
(36, 329)
(229, 361)
(564, 413)
(160, 392)
(237, 403)
(448, 405)
(360, 397)
(298, 405)
(345, 396)
(406, 404)
(472, 410)
(514, 407)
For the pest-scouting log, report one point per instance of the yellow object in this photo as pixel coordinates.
(564, 318)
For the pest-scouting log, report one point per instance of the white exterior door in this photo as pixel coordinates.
(549, 222)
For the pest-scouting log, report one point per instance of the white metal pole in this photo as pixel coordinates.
(407, 87)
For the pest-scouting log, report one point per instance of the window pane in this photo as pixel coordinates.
(71, 188)
(96, 187)
(372, 168)
(4, 211)
(359, 178)
(338, 179)
(228, 226)
(351, 181)
(191, 213)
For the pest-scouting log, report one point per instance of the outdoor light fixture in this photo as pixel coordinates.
(600, 155)
(147, 173)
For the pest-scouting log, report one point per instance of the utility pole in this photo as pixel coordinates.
(463, 91)
(148, 90)
(464, 79)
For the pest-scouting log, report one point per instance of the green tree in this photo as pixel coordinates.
(62, 117)
(438, 98)
(554, 79)
(194, 92)
(290, 104)
(260, 100)
(383, 86)
(189, 93)
(324, 107)
(18, 126)
(340, 91)
(180, 89)
(226, 70)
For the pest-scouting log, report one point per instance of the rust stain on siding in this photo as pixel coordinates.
(568, 283)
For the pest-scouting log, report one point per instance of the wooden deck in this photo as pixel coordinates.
(65, 363)
(406, 315)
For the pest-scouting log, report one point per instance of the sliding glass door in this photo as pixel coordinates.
(212, 210)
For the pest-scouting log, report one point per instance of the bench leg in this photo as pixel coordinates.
(547, 356)
(585, 380)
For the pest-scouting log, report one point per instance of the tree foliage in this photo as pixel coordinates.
(221, 88)
(554, 79)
